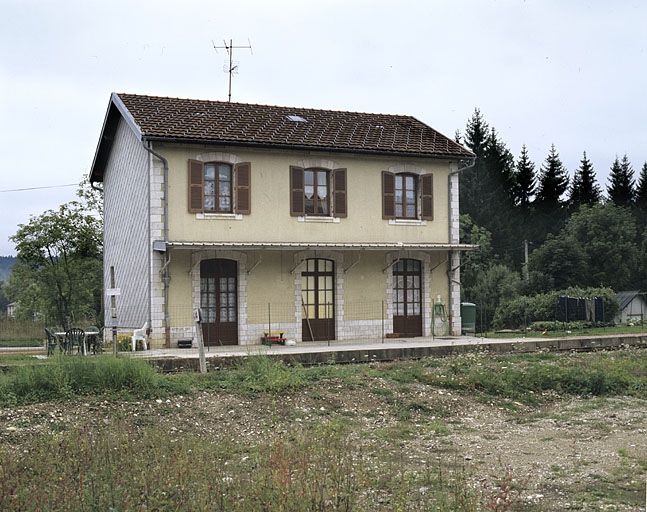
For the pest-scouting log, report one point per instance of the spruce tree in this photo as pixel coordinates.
(641, 190)
(584, 188)
(472, 180)
(621, 183)
(553, 182)
(550, 211)
(525, 180)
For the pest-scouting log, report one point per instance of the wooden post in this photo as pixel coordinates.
(198, 333)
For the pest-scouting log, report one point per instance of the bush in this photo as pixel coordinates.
(525, 310)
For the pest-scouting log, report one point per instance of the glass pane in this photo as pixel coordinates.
(322, 192)
(411, 211)
(410, 183)
(209, 172)
(323, 297)
(308, 178)
(399, 309)
(322, 312)
(225, 188)
(224, 204)
(224, 172)
(209, 203)
(309, 191)
(310, 312)
(322, 178)
(209, 187)
(398, 210)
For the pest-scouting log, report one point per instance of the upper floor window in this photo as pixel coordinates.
(407, 196)
(317, 192)
(219, 187)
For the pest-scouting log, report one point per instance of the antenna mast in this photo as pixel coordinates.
(233, 68)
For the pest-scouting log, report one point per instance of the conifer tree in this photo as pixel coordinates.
(621, 183)
(525, 179)
(584, 188)
(641, 190)
(472, 180)
(553, 182)
(550, 211)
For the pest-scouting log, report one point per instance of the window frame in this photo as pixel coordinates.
(336, 191)
(423, 196)
(239, 191)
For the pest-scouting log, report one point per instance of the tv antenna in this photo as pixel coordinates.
(232, 68)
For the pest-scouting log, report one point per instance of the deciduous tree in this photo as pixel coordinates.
(58, 271)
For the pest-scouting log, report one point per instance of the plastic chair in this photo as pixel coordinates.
(51, 343)
(75, 337)
(93, 339)
(140, 335)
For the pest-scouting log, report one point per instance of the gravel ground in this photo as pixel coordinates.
(573, 454)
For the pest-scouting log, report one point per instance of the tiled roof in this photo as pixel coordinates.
(215, 121)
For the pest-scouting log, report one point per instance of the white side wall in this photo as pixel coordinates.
(126, 238)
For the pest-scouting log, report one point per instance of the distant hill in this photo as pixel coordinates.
(6, 263)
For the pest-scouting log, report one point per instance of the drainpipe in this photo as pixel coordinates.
(451, 269)
(167, 258)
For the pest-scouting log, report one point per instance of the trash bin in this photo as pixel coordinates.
(468, 317)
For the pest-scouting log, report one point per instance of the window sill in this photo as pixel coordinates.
(218, 216)
(407, 222)
(316, 218)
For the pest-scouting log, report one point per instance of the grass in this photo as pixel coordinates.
(321, 465)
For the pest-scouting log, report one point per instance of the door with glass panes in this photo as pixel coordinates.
(219, 302)
(318, 300)
(407, 297)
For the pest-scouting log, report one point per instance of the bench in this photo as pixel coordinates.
(273, 338)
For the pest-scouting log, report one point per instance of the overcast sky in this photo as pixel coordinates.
(570, 73)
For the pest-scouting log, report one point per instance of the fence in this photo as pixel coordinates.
(340, 322)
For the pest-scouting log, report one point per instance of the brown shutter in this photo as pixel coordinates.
(427, 196)
(297, 205)
(196, 186)
(339, 190)
(388, 195)
(243, 172)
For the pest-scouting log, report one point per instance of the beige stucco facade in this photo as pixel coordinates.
(269, 278)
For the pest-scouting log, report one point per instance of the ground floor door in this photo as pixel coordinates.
(219, 302)
(407, 297)
(318, 298)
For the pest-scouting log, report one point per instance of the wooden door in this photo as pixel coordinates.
(407, 297)
(318, 297)
(219, 301)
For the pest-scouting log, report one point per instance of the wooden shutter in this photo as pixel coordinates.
(388, 195)
(297, 203)
(339, 191)
(243, 173)
(427, 196)
(196, 186)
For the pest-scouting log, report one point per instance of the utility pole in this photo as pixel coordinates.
(526, 274)
(233, 68)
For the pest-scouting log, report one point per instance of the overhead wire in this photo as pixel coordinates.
(40, 188)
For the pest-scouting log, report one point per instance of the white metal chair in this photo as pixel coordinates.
(140, 335)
